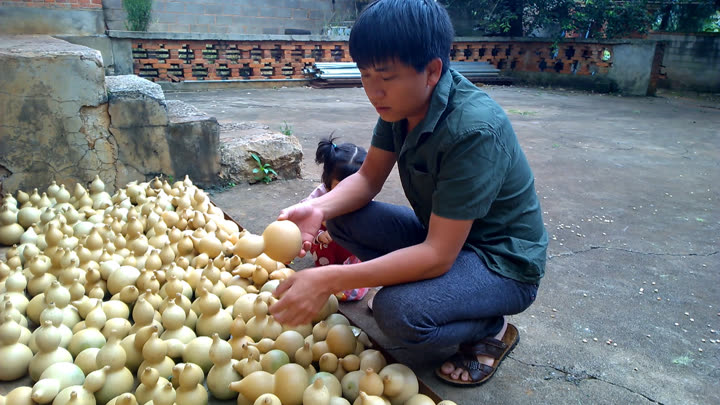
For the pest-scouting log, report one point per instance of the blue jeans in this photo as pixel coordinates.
(464, 305)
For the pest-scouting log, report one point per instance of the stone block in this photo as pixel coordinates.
(193, 140)
(238, 141)
(144, 148)
(135, 102)
(50, 90)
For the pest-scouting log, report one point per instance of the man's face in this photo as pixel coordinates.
(398, 91)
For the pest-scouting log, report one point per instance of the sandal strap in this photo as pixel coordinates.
(486, 347)
(476, 370)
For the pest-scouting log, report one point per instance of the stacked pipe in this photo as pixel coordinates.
(346, 74)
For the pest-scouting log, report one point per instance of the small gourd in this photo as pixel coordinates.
(123, 399)
(290, 383)
(55, 315)
(399, 382)
(91, 335)
(256, 325)
(49, 350)
(371, 383)
(54, 379)
(16, 356)
(144, 314)
(316, 394)
(155, 354)
(10, 231)
(373, 359)
(365, 399)
(213, 318)
(118, 379)
(222, 372)
(419, 399)
(151, 384)
(82, 394)
(267, 399)
(173, 321)
(190, 390)
(198, 352)
(254, 385)
(18, 396)
(15, 290)
(40, 279)
(133, 345)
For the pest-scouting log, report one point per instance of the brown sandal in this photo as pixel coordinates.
(466, 358)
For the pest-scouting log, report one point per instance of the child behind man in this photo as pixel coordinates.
(339, 162)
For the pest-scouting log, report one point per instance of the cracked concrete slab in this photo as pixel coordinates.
(629, 188)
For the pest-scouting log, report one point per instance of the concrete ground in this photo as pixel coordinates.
(629, 309)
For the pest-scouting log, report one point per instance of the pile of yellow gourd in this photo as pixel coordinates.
(154, 282)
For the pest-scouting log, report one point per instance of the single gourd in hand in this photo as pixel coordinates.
(283, 241)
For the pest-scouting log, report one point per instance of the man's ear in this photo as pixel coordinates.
(434, 71)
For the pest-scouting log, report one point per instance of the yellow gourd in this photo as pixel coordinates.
(213, 318)
(283, 241)
(316, 394)
(222, 372)
(151, 384)
(190, 390)
(419, 399)
(16, 356)
(49, 351)
(155, 354)
(118, 379)
(400, 383)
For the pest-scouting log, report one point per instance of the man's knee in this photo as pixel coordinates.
(406, 323)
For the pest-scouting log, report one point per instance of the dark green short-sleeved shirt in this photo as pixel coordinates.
(463, 161)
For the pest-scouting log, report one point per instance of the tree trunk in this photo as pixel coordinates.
(516, 25)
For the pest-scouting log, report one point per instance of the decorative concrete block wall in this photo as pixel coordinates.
(627, 66)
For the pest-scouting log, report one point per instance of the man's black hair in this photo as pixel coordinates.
(413, 32)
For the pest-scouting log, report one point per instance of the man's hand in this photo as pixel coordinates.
(301, 296)
(307, 218)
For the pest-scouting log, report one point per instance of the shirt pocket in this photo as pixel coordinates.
(420, 191)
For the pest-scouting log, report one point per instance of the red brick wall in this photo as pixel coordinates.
(172, 60)
(54, 3)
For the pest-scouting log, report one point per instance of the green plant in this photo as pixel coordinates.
(138, 14)
(263, 172)
(286, 129)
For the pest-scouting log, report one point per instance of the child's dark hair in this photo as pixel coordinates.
(413, 32)
(339, 161)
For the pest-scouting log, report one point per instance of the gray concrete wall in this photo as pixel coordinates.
(236, 16)
(691, 61)
(631, 68)
(51, 21)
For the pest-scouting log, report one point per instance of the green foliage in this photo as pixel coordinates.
(586, 18)
(138, 14)
(286, 129)
(689, 16)
(611, 19)
(263, 172)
